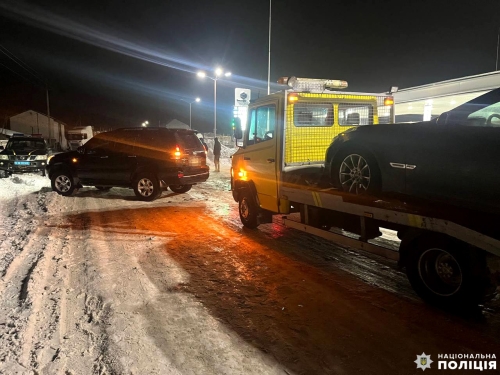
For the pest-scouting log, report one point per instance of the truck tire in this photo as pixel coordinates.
(179, 189)
(62, 183)
(356, 171)
(248, 209)
(146, 186)
(447, 273)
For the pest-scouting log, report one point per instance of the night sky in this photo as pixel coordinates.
(118, 63)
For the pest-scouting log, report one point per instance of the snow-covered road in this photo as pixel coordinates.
(100, 283)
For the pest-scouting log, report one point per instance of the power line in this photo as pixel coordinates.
(20, 75)
(23, 65)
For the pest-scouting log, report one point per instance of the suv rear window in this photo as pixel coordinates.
(189, 141)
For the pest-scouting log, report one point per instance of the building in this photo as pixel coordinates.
(176, 124)
(423, 103)
(32, 122)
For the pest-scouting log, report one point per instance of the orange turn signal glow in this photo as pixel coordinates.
(74, 160)
(389, 101)
(242, 174)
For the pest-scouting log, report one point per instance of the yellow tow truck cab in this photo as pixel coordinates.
(291, 130)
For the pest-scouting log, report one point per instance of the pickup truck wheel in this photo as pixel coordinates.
(248, 210)
(356, 172)
(62, 183)
(447, 273)
(180, 188)
(146, 186)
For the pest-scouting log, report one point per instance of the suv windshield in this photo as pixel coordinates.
(22, 144)
(488, 116)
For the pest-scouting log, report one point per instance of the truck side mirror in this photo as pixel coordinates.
(238, 132)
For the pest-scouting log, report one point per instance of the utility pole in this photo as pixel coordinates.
(48, 116)
(269, 58)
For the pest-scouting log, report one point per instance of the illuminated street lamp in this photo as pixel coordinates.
(217, 74)
(197, 100)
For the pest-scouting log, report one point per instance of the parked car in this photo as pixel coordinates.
(454, 158)
(144, 159)
(24, 155)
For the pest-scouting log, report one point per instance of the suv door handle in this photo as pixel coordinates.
(270, 160)
(104, 157)
(246, 158)
(132, 156)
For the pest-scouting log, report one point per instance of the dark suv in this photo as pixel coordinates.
(24, 155)
(144, 159)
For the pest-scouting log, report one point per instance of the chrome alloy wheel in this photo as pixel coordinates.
(63, 183)
(145, 187)
(440, 272)
(354, 174)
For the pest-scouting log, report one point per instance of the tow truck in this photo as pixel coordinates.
(451, 256)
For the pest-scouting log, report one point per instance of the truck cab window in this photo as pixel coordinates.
(355, 114)
(262, 124)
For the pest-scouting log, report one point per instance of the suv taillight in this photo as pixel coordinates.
(177, 152)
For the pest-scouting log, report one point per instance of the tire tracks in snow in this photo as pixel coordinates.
(21, 249)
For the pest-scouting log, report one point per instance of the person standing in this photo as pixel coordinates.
(217, 148)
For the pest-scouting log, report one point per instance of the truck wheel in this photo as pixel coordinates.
(447, 273)
(356, 172)
(146, 186)
(248, 210)
(62, 183)
(180, 188)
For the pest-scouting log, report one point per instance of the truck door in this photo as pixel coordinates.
(260, 154)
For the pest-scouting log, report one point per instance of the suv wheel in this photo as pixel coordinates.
(62, 183)
(180, 188)
(147, 186)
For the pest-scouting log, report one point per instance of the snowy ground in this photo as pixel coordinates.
(100, 283)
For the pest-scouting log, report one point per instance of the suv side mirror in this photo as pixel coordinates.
(443, 118)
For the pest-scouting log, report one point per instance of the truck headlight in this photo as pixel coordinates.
(41, 157)
(4, 157)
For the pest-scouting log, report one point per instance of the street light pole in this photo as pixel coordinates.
(215, 106)
(498, 43)
(218, 72)
(269, 58)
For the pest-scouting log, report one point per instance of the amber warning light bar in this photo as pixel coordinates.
(312, 84)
